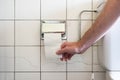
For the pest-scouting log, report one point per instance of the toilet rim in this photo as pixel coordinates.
(115, 75)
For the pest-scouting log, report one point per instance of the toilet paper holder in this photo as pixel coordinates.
(54, 27)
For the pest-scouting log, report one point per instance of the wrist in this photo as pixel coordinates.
(80, 48)
(77, 51)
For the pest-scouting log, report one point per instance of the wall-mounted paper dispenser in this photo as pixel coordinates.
(54, 27)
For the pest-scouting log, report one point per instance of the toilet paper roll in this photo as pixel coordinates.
(52, 42)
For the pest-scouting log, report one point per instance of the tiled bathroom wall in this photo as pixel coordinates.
(22, 55)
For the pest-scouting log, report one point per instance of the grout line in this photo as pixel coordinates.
(66, 39)
(6, 19)
(20, 45)
(40, 41)
(6, 45)
(52, 71)
(92, 46)
(45, 19)
(14, 40)
(34, 45)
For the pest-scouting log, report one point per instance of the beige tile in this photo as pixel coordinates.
(53, 9)
(81, 62)
(53, 76)
(27, 76)
(6, 59)
(6, 33)
(54, 64)
(73, 31)
(27, 59)
(76, 7)
(6, 9)
(85, 25)
(79, 76)
(98, 5)
(96, 64)
(100, 76)
(6, 76)
(27, 9)
(27, 33)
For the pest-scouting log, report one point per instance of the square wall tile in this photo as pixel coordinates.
(81, 62)
(53, 76)
(6, 59)
(53, 9)
(6, 76)
(75, 7)
(73, 31)
(27, 9)
(27, 76)
(98, 5)
(79, 76)
(96, 64)
(6, 33)
(85, 25)
(27, 59)
(100, 76)
(48, 64)
(100, 42)
(27, 33)
(86, 14)
(6, 9)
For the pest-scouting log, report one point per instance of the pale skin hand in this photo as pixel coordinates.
(67, 50)
(102, 24)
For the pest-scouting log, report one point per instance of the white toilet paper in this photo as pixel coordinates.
(52, 42)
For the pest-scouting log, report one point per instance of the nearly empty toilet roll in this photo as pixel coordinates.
(52, 42)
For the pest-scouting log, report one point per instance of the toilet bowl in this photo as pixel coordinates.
(110, 56)
(112, 75)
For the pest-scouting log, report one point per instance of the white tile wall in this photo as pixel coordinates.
(30, 55)
(27, 76)
(6, 76)
(100, 76)
(27, 33)
(81, 62)
(85, 25)
(51, 65)
(27, 58)
(6, 9)
(75, 7)
(53, 76)
(27, 9)
(6, 59)
(53, 9)
(6, 33)
(79, 76)
(96, 66)
(97, 6)
(73, 30)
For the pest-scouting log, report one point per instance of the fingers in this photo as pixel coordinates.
(70, 56)
(62, 51)
(66, 57)
(64, 45)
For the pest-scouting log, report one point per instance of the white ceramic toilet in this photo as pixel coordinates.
(110, 57)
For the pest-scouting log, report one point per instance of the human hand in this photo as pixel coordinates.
(68, 49)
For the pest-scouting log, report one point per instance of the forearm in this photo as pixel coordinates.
(104, 21)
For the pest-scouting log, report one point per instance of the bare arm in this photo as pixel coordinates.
(104, 21)
(102, 24)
